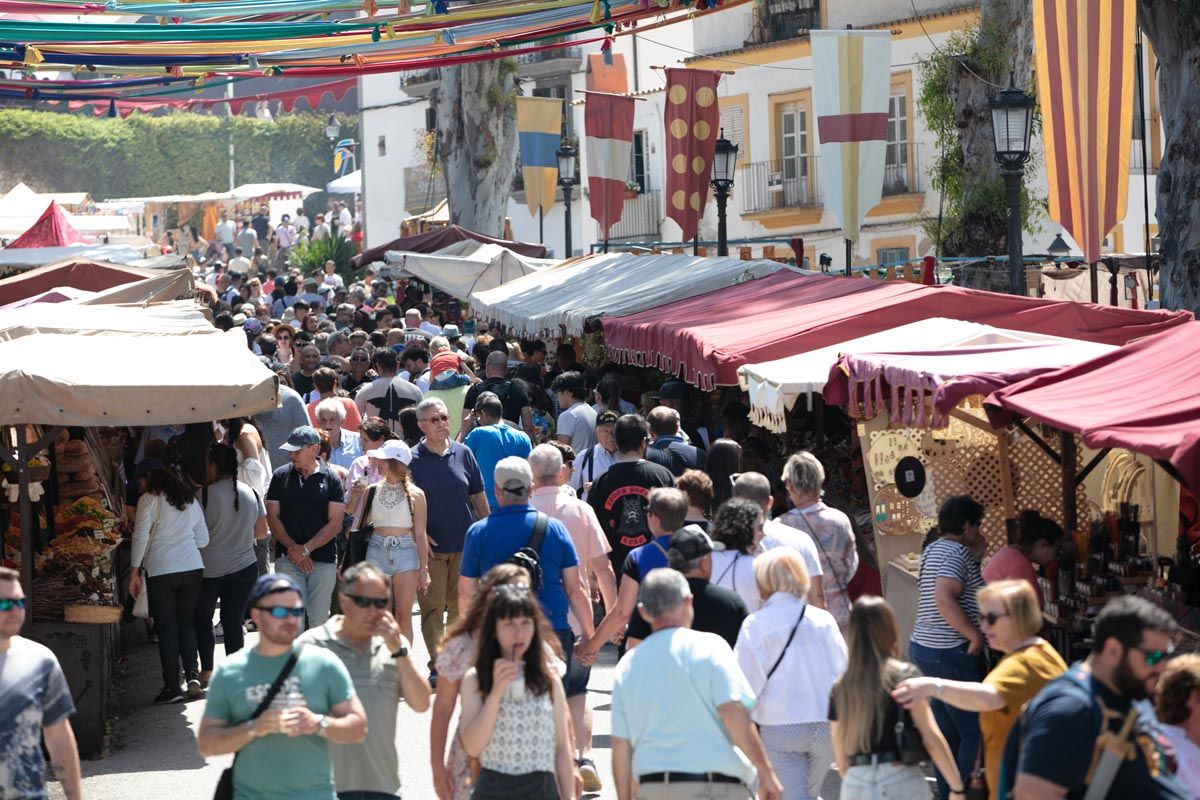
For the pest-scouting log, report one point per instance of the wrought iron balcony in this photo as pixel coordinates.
(640, 217)
(780, 20)
(777, 184)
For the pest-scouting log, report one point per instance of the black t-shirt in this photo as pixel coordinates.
(885, 741)
(718, 610)
(350, 384)
(620, 497)
(512, 395)
(261, 224)
(303, 384)
(304, 506)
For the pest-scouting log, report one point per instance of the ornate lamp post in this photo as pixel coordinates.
(567, 178)
(1012, 124)
(724, 163)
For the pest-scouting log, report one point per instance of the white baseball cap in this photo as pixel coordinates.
(392, 450)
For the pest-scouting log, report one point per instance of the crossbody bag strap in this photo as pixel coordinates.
(539, 532)
(725, 572)
(159, 500)
(786, 645)
(272, 692)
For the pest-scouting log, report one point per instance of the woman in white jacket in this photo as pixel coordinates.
(791, 653)
(168, 532)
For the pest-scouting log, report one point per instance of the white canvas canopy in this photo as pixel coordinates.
(467, 266)
(160, 288)
(776, 386)
(247, 191)
(30, 257)
(64, 379)
(615, 284)
(160, 319)
(350, 183)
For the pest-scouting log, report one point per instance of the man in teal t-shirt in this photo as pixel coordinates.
(285, 749)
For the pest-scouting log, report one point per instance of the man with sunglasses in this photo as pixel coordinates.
(1064, 730)
(286, 748)
(366, 638)
(35, 702)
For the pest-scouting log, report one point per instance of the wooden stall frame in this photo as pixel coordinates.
(19, 461)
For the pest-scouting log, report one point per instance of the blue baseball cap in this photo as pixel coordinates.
(273, 583)
(303, 436)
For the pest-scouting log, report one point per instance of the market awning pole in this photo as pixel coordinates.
(849, 245)
(1070, 498)
(24, 452)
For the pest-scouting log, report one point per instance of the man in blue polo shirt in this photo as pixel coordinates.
(305, 508)
(449, 475)
(496, 539)
(493, 439)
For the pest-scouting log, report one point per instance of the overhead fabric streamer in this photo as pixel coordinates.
(608, 124)
(539, 131)
(851, 77)
(692, 118)
(1085, 76)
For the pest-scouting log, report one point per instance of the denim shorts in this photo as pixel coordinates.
(393, 554)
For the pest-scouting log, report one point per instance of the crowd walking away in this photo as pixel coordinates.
(441, 525)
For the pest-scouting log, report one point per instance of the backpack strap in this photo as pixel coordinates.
(539, 532)
(277, 684)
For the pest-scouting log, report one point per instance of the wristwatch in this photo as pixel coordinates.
(401, 653)
(322, 724)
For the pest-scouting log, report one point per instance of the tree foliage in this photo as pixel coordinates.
(180, 153)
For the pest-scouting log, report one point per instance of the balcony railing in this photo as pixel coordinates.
(641, 217)
(901, 169)
(573, 53)
(782, 183)
(780, 20)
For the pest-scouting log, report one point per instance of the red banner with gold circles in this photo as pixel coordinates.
(692, 117)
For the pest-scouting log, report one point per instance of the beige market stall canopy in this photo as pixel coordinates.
(160, 319)
(61, 379)
(467, 266)
(156, 289)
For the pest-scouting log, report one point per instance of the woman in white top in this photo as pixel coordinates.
(514, 710)
(168, 532)
(791, 653)
(399, 546)
(737, 529)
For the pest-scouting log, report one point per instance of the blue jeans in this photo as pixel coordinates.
(961, 728)
(317, 585)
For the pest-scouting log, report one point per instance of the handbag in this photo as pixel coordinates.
(909, 744)
(224, 790)
(976, 784)
(141, 603)
(360, 537)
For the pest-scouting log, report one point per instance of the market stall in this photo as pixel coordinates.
(280, 198)
(465, 267)
(78, 273)
(432, 241)
(558, 300)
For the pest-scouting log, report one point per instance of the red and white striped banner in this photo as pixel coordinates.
(608, 126)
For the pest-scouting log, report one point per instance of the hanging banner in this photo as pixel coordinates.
(608, 127)
(851, 78)
(539, 132)
(692, 118)
(1085, 76)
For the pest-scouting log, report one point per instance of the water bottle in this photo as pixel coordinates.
(285, 701)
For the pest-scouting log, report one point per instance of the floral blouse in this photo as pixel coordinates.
(831, 531)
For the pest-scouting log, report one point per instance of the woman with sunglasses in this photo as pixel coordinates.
(1011, 618)
(399, 546)
(451, 772)
(864, 718)
(514, 709)
(284, 334)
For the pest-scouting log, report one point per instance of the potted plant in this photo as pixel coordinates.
(632, 190)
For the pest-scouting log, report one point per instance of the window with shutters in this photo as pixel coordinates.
(734, 126)
(637, 163)
(893, 255)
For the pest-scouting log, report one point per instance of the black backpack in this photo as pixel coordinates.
(528, 558)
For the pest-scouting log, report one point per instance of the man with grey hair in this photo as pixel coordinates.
(559, 502)
(756, 487)
(680, 707)
(449, 475)
(338, 343)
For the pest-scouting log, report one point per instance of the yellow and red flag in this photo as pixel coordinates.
(1085, 88)
(692, 119)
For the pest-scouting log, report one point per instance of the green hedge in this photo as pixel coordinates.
(180, 153)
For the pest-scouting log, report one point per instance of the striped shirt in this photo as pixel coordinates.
(945, 558)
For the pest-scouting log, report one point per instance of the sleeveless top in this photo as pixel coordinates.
(390, 508)
(523, 738)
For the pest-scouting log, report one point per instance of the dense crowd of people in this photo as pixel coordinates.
(537, 511)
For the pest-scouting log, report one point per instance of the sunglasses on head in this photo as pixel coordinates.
(9, 603)
(990, 618)
(282, 612)
(368, 602)
(514, 589)
(1155, 656)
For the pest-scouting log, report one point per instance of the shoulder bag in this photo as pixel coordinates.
(360, 537)
(910, 747)
(224, 790)
(141, 603)
(528, 557)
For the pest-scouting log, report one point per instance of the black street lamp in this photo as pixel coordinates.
(724, 163)
(332, 128)
(567, 179)
(1012, 125)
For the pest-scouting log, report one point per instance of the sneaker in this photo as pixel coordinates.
(169, 695)
(205, 677)
(218, 632)
(194, 688)
(591, 776)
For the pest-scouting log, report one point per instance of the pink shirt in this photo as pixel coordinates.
(1008, 564)
(560, 503)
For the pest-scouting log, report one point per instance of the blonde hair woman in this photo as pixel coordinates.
(399, 546)
(1011, 618)
(863, 716)
(791, 653)
(1177, 703)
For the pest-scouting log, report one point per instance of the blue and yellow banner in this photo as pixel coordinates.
(539, 131)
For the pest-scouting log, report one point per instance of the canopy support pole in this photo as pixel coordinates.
(18, 459)
(849, 256)
(1069, 483)
(1006, 483)
(1095, 462)
(1039, 441)
(1169, 468)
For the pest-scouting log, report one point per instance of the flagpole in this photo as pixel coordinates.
(849, 245)
(541, 224)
